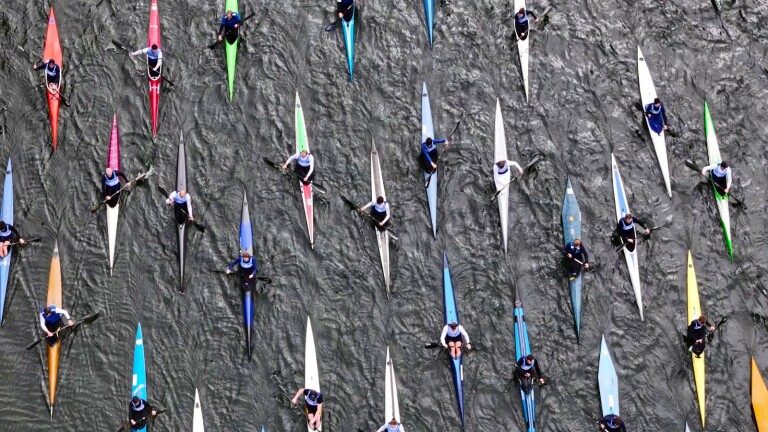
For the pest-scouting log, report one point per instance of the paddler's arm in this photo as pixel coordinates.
(442, 336)
(465, 335)
(384, 428)
(386, 207)
(290, 159)
(171, 197)
(66, 315)
(15, 234)
(708, 168)
(189, 206)
(425, 152)
(311, 166)
(141, 51)
(232, 265)
(516, 165)
(255, 268)
(367, 206)
(647, 110)
(159, 60)
(642, 224)
(585, 254)
(728, 179)
(664, 114)
(42, 325)
(535, 18)
(296, 397)
(120, 174)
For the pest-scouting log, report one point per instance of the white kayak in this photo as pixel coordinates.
(523, 47)
(647, 95)
(501, 180)
(311, 375)
(622, 208)
(197, 419)
(391, 407)
(377, 190)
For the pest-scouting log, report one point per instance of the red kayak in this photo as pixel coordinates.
(154, 83)
(52, 50)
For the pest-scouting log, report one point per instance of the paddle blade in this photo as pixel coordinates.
(350, 204)
(693, 166)
(272, 163)
(163, 191)
(96, 208)
(120, 45)
(431, 345)
(330, 27)
(213, 45)
(264, 279)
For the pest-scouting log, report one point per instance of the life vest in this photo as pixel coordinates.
(53, 318)
(453, 333)
(653, 110)
(625, 227)
(526, 367)
(304, 161)
(310, 401)
(380, 208)
(7, 232)
(52, 72)
(575, 250)
(154, 55)
(429, 147)
(248, 264)
(112, 182)
(179, 200)
(231, 22)
(522, 20)
(611, 423)
(719, 172)
(697, 325)
(501, 171)
(393, 429)
(138, 408)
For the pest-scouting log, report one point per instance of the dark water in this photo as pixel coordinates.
(583, 88)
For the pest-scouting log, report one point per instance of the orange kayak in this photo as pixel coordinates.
(54, 298)
(52, 50)
(759, 398)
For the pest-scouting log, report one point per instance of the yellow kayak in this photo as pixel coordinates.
(694, 312)
(759, 398)
(54, 298)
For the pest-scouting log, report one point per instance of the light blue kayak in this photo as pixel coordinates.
(139, 384)
(522, 349)
(452, 314)
(608, 382)
(348, 27)
(429, 15)
(246, 244)
(428, 131)
(6, 214)
(572, 230)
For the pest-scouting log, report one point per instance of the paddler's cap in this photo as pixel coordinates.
(453, 324)
(723, 165)
(154, 47)
(47, 309)
(657, 101)
(703, 319)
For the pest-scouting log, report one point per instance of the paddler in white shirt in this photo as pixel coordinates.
(721, 176)
(182, 206)
(305, 166)
(392, 426)
(502, 167)
(452, 337)
(380, 211)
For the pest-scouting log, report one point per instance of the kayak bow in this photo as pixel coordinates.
(713, 153)
(6, 214)
(522, 349)
(452, 314)
(622, 208)
(348, 28)
(572, 230)
(54, 299)
(52, 50)
(608, 382)
(501, 181)
(377, 190)
(523, 49)
(429, 16)
(113, 213)
(302, 143)
(197, 417)
(694, 312)
(427, 131)
(647, 95)
(246, 244)
(139, 382)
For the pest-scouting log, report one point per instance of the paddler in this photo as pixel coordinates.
(8, 233)
(526, 367)
(110, 185)
(626, 230)
(612, 423)
(657, 116)
(314, 403)
(52, 74)
(392, 426)
(154, 59)
(344, 9)
(697, 335)
(380, 212)
(429, 156)
(248, 268)
(577, 257)
(139, 412)
(51, 321)
(182, 206)
(721, 176)
(521, 23)
(230, 23)
(452, 337)
(305, 166)
(502, 167)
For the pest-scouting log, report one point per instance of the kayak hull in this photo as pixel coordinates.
(311, 374)
(54, 299)
(6, 214)
(522, 349)
(713, 154)
(230, 50)
(302, 143)
(377, 190)
(572, 230)
(647, 95)
(429, 17)
(391, 406)
(632, 258)
(452, 314)
(52, 50)
(501, 180)
(113, 213)
(139, 377)
(523, 50)
(181, 184)
(694, 312)
(608, 382)
(153, 37)
(246, 244)
(427, 131)
(197, 418)
(348, 28)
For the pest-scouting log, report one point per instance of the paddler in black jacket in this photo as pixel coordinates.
(110, 185)
(8, 233)
(248, 268)
(697, 335)
(139, 412)
(522, 24)
(52, 74)
(526, 367)
(612, 423)
(344, 9)
(626, 230)
(575, 252)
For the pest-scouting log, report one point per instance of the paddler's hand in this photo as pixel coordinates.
(536, 20)
(49, 334)
(570, 256)
(521, 171)
(527, 375)
(647, 231)
(469, 347)
(128, 185)
(341, 14)
(434, 166)
(306, 178)
(631, 240)
(293, 401)
(191, 219)
(666, 127)
(22, 241)
(154, 413)
(381, 224)
(727, 190)
(133, 422)
(220, 38)
(228, 271)
(586, 265)
(445, 346)
(522, 35)
(602, 427)
(168, 201)
(712, 328)
(108, 197)
(70, 322)
(541, 381)
(284, 167)
(250, 276)
(237, 25)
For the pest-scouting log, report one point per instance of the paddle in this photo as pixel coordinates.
(226, 33)
(711, 335)
(429, 179)
(37, 66)
(285, 392)
(320, 188)
(200, 226)
(332, 26)
(433, 345)
(737, 202)
(530, 29)
(264, 279)
(533, 162)
(642, 235)
(127, 425)
(32, 240)
(591, 267)
(353, 206)
(141, 176)
(130, 54)
(87, 318)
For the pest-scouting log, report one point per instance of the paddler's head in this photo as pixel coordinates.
(453, 325)
(501, 164)
(3, 226)
(304, 153)
(723, 165)
(229, 14)
(656, 102)
(47, 310)
(429, 142)
(182, 193)
(380, 200)
(529, 359)
(393, 422)
(312, 395)
(628, 217)
(703, 319)
(51, 64)
(135, 401)
(108, 172)
(616, 420)
(154, 47)
(521, 12)
(577, 242)
(246, 256)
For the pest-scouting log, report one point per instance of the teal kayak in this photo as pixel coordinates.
(348, 27)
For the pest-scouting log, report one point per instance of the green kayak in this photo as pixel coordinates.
(231, 52)
(713, 153)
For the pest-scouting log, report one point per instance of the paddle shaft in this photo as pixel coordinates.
(62, 328)
(261, 278)
(127, 425)
(693, 166)
(32, 240)
(141, 176)
(369, 216)
(638, 238)
(320, 188)
(332, 26)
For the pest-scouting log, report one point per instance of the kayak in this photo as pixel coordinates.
(501, 181)
(154, 83)
(759, 398)
(522, 349)
(139, 382)
(391, 407)
(54, 299)
(694, 312)
(647, 95)
(246, 244)
(452, 314)
(622, 208)
(230, 50)
(197, 418)
(348, 27)
(52, 50)
(523, 48)
(608, 382)
(302, 143)
(713, 153)
(377, 190)
(311, 374)
(427, 131)
(6, 214)
(571, 231)
(113, 161)
(687, 429)
(429, 15)
(181, 183)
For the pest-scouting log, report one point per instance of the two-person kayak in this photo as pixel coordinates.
(713, 154)
(647, 96)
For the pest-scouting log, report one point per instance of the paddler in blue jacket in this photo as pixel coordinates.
(721, 176)
(526, 367)
(697, 335)
(428, 155)
(229, 26)
(248, 268)
(314, 403)
(7, 234)
(380, 211)
(344, 9)
(522, 24)
(52, 74)
(305, 166)
(657, 116)
(154, 59)
(612, 423)
(51, 321)
(182, 206)
(110, 185)
(577, 257)
(139, 412)
(392, 426)
(626, 230)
